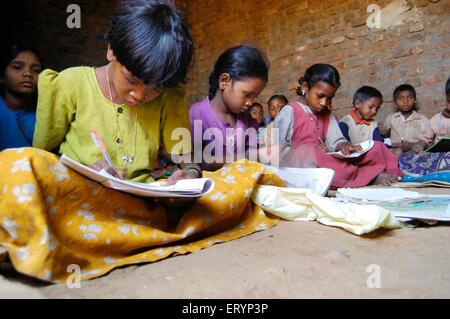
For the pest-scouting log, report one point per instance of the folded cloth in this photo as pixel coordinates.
(443, 176)
(54, 221)
(299, 204)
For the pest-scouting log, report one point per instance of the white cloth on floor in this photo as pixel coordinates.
(299, 204)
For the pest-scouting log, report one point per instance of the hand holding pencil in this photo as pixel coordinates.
(106, 162)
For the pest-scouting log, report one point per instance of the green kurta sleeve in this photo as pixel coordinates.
(55, 110)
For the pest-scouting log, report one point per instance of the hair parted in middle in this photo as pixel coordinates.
(239, 62)
(319, 73)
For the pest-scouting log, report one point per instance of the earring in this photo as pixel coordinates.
(303, 92)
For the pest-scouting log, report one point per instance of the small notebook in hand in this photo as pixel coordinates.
(442, 145)
(195, 187)
(366, 146)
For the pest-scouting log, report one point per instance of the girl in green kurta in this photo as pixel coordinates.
(52, 218)
(132, 102)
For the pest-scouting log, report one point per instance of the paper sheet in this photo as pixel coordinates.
(366, 146)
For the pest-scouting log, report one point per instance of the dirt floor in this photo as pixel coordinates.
(290, 260)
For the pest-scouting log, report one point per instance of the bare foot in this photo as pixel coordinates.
(386, 179)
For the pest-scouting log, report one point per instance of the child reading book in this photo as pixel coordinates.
(19, 71)
(359, 125)
(308, 130)
(426, 163)
(406, 127)
(221, 124)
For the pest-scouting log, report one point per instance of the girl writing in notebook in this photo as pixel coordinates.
(222, 127)
(308, 130)
(131, 102)
(63, 218)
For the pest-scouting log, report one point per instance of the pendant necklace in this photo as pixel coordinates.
(307, 110)
(130, 158)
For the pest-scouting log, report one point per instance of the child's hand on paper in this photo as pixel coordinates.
(323, 148)
(419, 147)
(180, 174)
(347, 148)
(103, 164)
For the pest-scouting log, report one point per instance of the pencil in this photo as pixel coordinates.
(98, 142)
(320, 140)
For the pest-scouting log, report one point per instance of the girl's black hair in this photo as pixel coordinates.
(403, 88)
(152, 40)
(366, 92)
(239, 62)
(278, 96)
(319, 73)
(10, 52)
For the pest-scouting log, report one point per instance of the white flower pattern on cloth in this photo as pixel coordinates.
(85, 212)
(21, 165)
(24, 193)
(217, 196)
(60, 170)
(81, 222)
(10, 226)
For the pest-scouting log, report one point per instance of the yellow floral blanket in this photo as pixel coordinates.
(54, 220)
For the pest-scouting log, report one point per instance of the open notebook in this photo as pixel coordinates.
(183, 188)
(366, 146)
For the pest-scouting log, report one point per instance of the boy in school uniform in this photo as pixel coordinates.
(359, 125)
(406, 127)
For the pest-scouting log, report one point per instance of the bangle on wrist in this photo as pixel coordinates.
(199, 172)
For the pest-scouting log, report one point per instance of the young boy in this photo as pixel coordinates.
(407, 126)
(359, 125)
(440, 123)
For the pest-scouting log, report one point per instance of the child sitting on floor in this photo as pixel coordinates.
(406, 127)
(19, 71)
(440, 123)
(426, 163)
(308, 131)
(275, 104)
(257, 112)
(223, 130)
(133, 101)
(359, 125)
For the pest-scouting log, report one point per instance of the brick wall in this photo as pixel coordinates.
(42, 24)
(294, 34)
